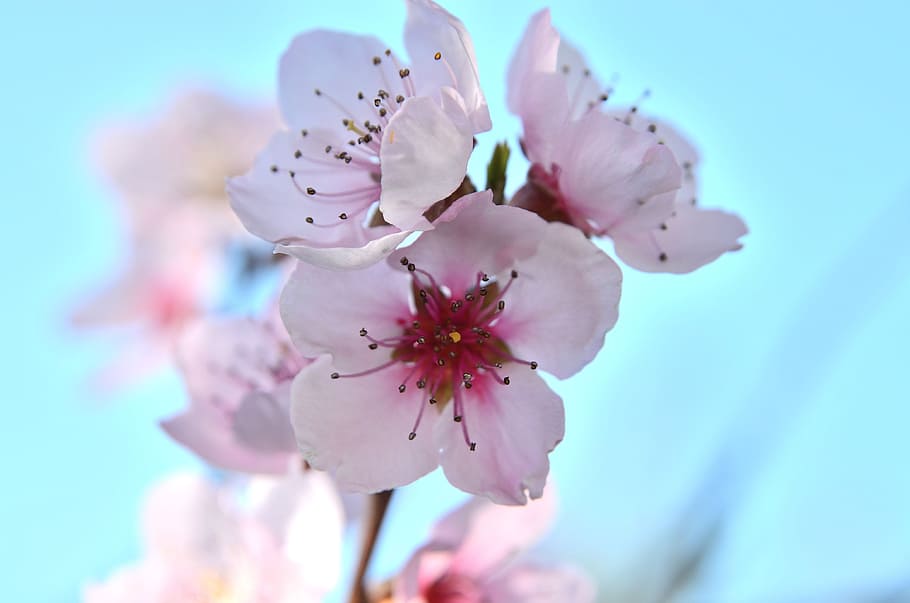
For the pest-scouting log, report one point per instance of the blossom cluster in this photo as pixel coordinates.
(416, 311)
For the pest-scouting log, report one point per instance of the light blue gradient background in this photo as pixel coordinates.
(790, 356)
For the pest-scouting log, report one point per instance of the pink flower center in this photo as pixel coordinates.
(451, 345)
(454, 588)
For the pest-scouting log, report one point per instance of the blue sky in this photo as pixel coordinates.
(786, 359)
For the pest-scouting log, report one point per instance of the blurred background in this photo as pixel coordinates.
(750, 418)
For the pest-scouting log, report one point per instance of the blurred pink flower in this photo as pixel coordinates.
(607, 175)
(168, 176)
(364, 128)
(459, 323)
(471, 558)
(273, 541)
(238, 372)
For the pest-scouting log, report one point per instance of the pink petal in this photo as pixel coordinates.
(528, 583)
(608, 169)
(563, 302)
(424, 156)
(208, 434)
(693, 237)
(487, 238)
(274, 206)
(262, 421)
(431, 29)
(358, 427)
(180, 516)
(544, 109)
(347, 258)
(515, 427)
(583, 87)
(324, 312)
(536, 53)
(339, 65)
(484, 536)
(303, 512)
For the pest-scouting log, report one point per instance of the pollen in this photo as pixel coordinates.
(391, 136)
(455, 336)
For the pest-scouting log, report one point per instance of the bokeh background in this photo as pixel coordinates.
(758, 405)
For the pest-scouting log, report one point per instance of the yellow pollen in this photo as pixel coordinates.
(455, 336)
(353, 128)
(391, 136)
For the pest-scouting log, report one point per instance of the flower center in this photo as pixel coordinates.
(450, 344)
(358, 146)
(453, 588)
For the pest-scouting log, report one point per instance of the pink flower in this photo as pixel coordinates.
(168, 175)
(691, 236)
(274, 541)
(606, 175)
(182, 158)
(365, 127)
(238, 372)
(170, 279)
(471, 558)
(432, 353)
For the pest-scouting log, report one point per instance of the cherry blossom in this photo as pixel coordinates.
(432, 355)
(609, 175)
(272, 541)
(474, 555)
(169, 281)
(238, 372)
(168, 177)
(691, 236)
(365, 127)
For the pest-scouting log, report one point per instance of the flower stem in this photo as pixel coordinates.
(378, 504)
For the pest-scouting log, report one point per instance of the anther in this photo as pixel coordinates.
(382, 112)
(662, 257)
(403, 261)
(483, 290)
(506, 380)
(533, 365)
(342, 216)
(411, 267)
(297, 154)
(309, 219)
(468, 385)
(514, 274)
(274, 169)
(376, 60)
(401, 388)
(403, 73)
(345, 122)
(485, 277)
(292, 173)
(472, 446)
(501, 305)
(440, 362)
(432, 400)
(376, 102)
(663, 227)
(335, 375)
(304, 132)
(328, 148)
(652, 128)
(469, 297)
(457, 418)
(388, 52)
(310, 190)
(421, 384)
(421, 340)
(467, 376)
(437, 56)
(360, 96)
(373, 346)
(318, 92)
(412, 435)
(399, 99)
(363, 332)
